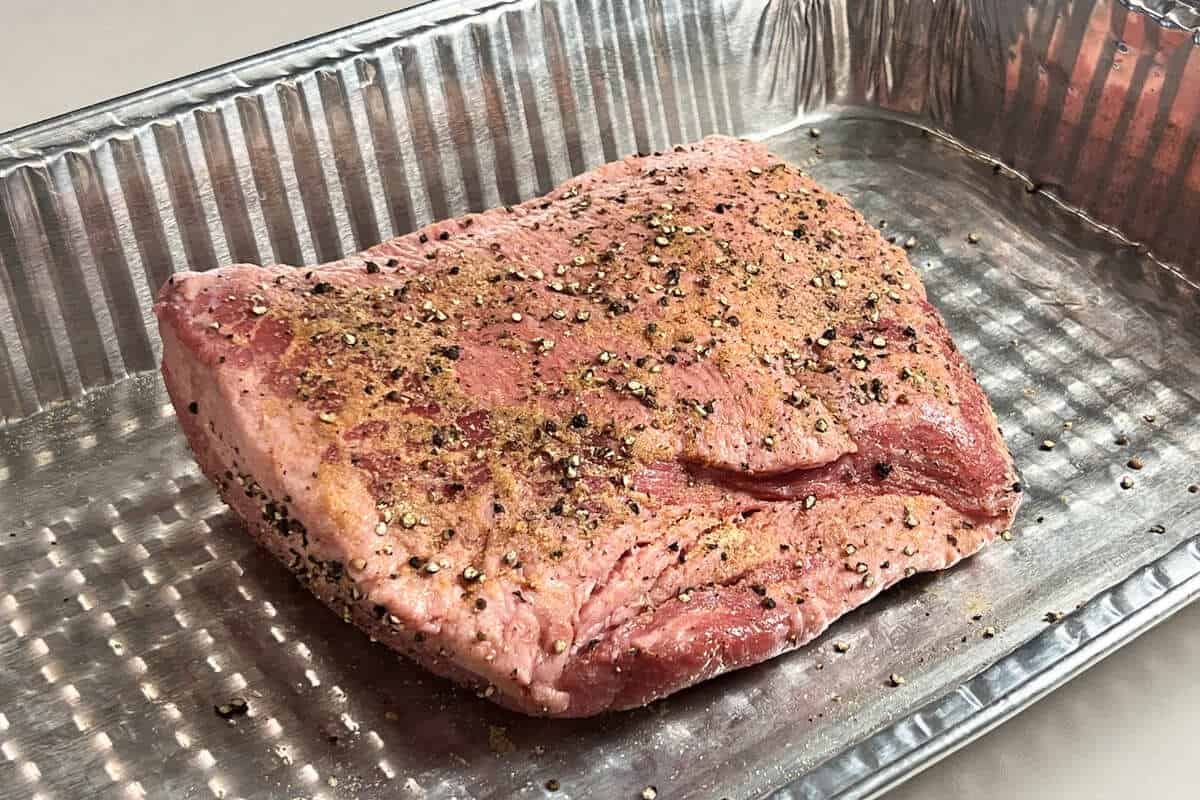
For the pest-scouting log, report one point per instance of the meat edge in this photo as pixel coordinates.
(197, 384)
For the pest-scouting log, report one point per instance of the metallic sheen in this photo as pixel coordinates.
(131, 605)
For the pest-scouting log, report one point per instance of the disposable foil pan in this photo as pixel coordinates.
(131, 604)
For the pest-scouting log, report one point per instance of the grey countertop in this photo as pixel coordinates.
(1122, 729)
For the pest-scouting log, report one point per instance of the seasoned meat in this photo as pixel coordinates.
(670, 420)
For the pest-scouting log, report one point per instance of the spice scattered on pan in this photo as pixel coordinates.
(1135, 463)
(553, 785)
(989, 632)
(498, 740)
(841, 646)
(1053, 616)
(1158, 528)
(649, 793)
(1121, 439)
(973, 238)
(895, 679)
(1127, 482)
(1048, 444)
(236, 707)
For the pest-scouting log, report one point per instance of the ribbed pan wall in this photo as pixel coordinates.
(1097, 101)
(339, 143)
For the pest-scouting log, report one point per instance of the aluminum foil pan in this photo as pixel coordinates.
(987, 131)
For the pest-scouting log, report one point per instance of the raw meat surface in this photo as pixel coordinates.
(672, 419)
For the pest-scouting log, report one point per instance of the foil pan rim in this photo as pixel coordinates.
(1182, 14)
(43, 139)
(72, 130)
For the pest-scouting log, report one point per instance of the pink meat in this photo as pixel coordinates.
(670, 420)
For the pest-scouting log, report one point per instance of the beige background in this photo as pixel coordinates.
(1124, 729)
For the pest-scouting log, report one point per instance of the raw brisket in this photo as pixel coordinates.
(670, 420)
